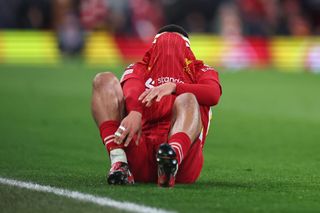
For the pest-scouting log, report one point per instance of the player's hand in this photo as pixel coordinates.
(129, 127)
(156, 93)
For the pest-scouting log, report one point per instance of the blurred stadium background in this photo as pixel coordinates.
(262, 151)
(230, 35)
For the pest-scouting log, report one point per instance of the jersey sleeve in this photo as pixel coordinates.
(207, 88)
(132, 89)
(132, 86)
(135, 71)
(205, 73)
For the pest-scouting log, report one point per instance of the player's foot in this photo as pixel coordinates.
(167, 165)
(120, 174)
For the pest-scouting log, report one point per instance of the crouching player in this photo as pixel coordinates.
(154, 121)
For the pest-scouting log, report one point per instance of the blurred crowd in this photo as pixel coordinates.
(238, 22)
(144, 17)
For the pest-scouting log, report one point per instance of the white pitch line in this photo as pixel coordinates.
(102, 201)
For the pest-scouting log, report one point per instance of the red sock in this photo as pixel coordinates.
(107, 130)
(181, 143)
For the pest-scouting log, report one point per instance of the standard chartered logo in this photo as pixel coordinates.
(150, 82)
(163, 80)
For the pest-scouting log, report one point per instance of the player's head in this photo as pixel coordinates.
(170, 50)
(174, 28)
(170, 35)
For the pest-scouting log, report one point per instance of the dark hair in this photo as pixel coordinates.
(174, 28)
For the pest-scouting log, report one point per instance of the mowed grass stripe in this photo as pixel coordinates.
(102, 201)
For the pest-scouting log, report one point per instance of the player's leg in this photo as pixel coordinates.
(186, 117)
(186, 128)
(191, 166)
(107, 110)
(107, 98)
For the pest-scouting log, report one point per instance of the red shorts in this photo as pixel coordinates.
(143, 165)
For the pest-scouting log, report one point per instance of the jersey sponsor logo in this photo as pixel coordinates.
(150, 83)
(163, 80)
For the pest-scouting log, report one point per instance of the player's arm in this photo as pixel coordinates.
(207, 91)
(132, 87)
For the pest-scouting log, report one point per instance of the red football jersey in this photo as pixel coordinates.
(170, 59)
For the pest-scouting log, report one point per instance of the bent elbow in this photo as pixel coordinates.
(213, 100)
(214, 97)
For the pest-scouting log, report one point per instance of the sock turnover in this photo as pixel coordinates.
(181, 144)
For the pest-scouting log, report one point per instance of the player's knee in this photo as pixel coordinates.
(187, 104)
(187, 100)
(105, 79)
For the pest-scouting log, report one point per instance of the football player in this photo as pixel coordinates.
(154, 121)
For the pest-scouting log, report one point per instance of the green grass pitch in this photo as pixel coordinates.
(261, 155)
